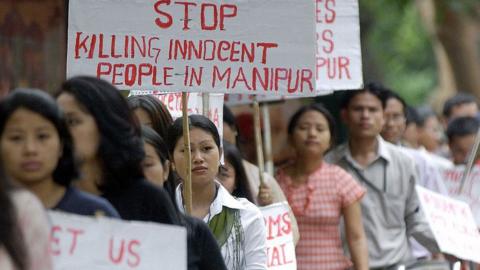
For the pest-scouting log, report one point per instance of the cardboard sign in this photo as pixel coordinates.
(452, 224)
(339, 55)
(252, 46)
(79, 243)
(471, 190)
(280, 246)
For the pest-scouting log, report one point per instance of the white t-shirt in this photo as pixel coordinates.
(253, 253)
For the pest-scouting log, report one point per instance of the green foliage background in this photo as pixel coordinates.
(396, 49)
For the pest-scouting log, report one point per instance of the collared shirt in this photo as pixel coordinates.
(253, 254)
(390, 210)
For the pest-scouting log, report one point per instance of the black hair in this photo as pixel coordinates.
(458, 99)
(229, 118)
(462, 126)
(175, 131)
(158, 112)
(292, 124)
(373, 88)
(242, 187)
(411, 116)
(121, 147)
(151, 137)
(423, 113)
(43, 104)
(11, 237)
(388, 94)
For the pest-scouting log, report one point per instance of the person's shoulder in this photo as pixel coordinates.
(249, 209)
(335, 154)
(96, 204)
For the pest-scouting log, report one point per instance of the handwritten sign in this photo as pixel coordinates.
(471, 190)
(79, 243)
(280, 246)
(252, 46)
(339, 56)
(452, 224)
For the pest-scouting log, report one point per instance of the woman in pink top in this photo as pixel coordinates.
(24, 231)
(320, 194)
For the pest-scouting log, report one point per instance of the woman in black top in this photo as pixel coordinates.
(108, 142)
(37, 152)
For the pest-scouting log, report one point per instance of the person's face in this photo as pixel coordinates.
(311, 135)
(143, 117)
(460, 147)
(154, 170)
(30, 147)
(394, 121)
(430, 134)
(82, 125)
(410, 136)
(227, 177)
(229, 134)
(364, 116)
(205, 157)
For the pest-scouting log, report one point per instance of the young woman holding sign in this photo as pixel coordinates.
(237, 224)
(37, 152)
(203, 251)
(108, 141)
(320, 194)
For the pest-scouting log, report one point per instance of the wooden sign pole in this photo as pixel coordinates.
(258, 140)
(187, 183)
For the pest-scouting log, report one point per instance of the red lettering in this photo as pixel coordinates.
(130, 74)
(330, 15)
(112, 48)
(75, 233)
(227, 46)
(221, 77)
(136, 257)
(116, 259)
(117, 72)
(223, 14)
(168, 18)
(186, 19)
(214, 15)
(241, 78)
(80, 44)
(327, 37)
(101, 71)
(288, 223)
(54, 240)
(265, 46)
(100, 45)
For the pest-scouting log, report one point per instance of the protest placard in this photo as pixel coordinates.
(280, 246)
(339, 55)
(471, 191)
(252, 46)
(452, 224)
(79, 243)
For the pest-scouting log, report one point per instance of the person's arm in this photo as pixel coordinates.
(356, 239)
(255, 240)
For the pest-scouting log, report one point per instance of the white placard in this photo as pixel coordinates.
(280, 246)
(452, 224)
(79, 243)
(251, 46)
(339, 55)
(471, 190)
